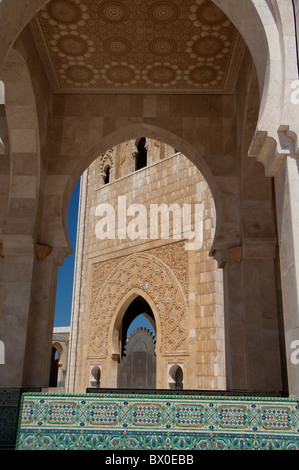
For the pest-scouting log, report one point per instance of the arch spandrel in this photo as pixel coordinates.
(271, 39)
(156, 282)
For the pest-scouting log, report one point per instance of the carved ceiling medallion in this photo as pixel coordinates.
(183, 46)
(163, 12)
(113, 11)
(64, 11)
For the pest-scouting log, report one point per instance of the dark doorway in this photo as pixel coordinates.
(54, 368)
(107, 175)
(141, 156)
(138, 307)
(137, 366)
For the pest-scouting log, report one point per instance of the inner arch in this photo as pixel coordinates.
(138, 307)
(137, 364)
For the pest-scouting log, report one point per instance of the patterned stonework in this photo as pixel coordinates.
(137, 45)
(150, 275)
(151, 422)
(173, 255)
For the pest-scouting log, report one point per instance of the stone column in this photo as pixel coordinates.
(28, 277)
(16, 269)
(252, 323)
(287, 202)
(37, 361)
(59, 376)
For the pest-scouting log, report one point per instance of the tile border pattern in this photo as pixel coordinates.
(150, 422)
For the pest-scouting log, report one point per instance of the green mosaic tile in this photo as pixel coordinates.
(147, 422)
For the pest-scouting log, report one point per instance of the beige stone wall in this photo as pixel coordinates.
(195, 338)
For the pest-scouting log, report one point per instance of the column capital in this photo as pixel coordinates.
(249, 249)
(271, 148)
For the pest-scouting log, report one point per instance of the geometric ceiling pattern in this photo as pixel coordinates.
(179, 46)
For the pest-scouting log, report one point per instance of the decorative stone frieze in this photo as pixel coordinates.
(146, 273)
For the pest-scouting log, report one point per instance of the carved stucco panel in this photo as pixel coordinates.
(149, 274)
(173, 255)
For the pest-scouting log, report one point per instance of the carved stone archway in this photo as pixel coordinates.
(150, 275)
(146, 275)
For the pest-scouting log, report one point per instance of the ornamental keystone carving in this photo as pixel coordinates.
(149, 274)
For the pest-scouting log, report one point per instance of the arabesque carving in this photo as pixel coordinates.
(173, 255)
(149, 274)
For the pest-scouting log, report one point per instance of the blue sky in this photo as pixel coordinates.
(64, 293)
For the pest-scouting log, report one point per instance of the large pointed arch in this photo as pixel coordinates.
(148, 275)
(78, 164)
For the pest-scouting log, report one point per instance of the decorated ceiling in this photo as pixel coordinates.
(178, 46)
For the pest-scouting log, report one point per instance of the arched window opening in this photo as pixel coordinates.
(107, 175)
(95, 376)
(54, 367)
(175, 379)
(139, 313)
(141, 155)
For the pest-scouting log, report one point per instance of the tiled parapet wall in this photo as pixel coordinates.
(9, 412)
(150, 422)
(10, 399)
